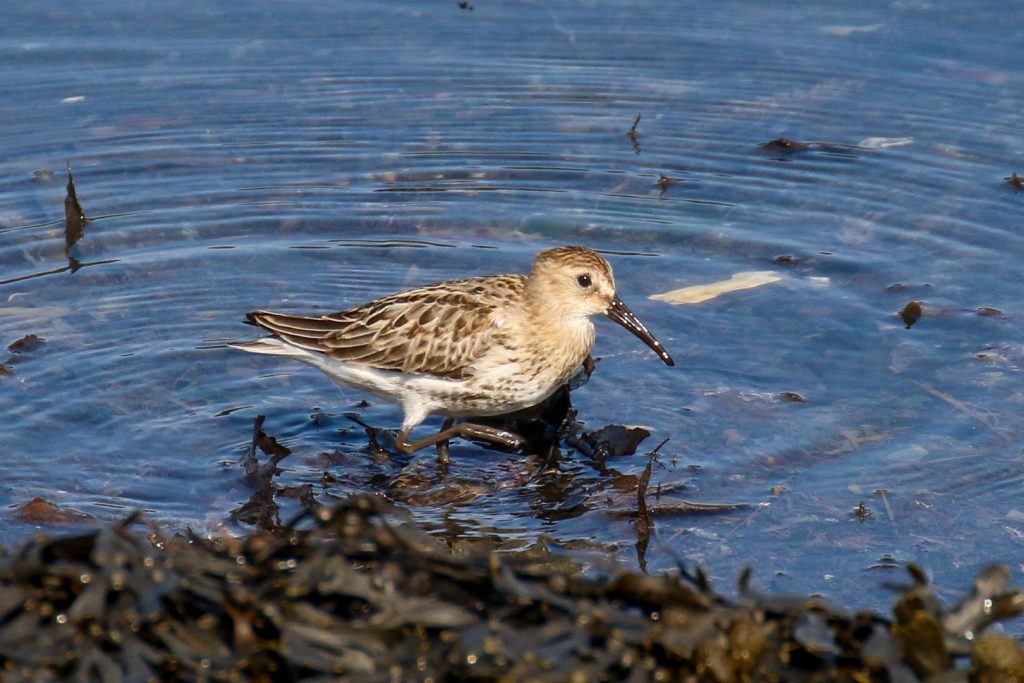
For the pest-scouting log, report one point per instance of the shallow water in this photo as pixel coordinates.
(303, 156)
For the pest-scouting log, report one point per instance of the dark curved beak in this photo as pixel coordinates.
(621, 314)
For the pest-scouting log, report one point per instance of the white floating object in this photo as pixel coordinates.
(849, 30)
(882, 143)
(73, 100)
(700, 293)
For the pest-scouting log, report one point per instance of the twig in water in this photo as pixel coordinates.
(884, 495)
(962, 407)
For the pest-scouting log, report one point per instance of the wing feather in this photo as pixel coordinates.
(440, 329)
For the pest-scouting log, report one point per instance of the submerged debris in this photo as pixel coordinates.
(788, 147)
(360, 593)
(26, 344)
(785, 145)
(665, 182)
(261, 510)
(634, 135)
(911, 313)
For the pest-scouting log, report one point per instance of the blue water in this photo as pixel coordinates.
(316, 155)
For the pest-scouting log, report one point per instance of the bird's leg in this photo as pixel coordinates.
(502, 437)
(466, 430)
(442, 446)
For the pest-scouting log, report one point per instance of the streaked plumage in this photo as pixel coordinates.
(473, 347)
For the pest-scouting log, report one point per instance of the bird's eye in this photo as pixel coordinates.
(583, 280)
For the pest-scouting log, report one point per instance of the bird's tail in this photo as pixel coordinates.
(386, 384)
(271, 346)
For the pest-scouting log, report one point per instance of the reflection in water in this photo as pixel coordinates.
(73, 265)
(74, 230)
(563, 485)
(634, 135)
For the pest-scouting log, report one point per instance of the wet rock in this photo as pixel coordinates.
(41, 511)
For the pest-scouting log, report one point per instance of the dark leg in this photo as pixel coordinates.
(466, 430)
(442, 446)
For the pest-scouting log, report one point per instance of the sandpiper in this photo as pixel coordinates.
(475, 347)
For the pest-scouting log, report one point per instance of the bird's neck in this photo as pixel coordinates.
(567, 338)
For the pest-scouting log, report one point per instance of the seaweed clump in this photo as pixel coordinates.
(359, 592)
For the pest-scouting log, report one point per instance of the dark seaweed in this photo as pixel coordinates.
(359, 592)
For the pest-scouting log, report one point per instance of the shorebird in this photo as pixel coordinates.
(474, 347)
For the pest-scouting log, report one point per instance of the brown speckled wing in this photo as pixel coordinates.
(440, 329)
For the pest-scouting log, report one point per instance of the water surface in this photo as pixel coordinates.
(313, 156)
